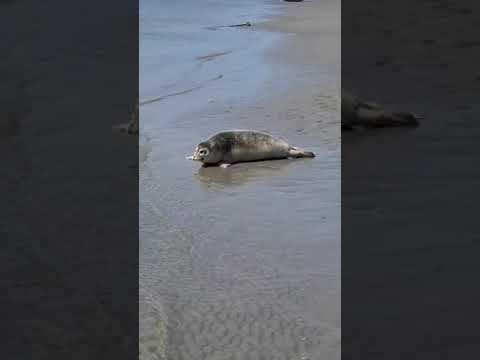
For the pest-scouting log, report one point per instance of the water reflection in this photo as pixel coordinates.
(240, 174)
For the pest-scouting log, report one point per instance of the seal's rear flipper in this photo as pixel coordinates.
(300, 153)
(381, 118)
(406, 119)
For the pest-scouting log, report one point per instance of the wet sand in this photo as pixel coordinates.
(65, 176)
(409, 214)
(246, 260)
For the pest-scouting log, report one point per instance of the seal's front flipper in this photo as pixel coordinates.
(224, 166)
(299, 153)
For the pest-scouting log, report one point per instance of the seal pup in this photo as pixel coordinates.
(358, 112)
(230, 147)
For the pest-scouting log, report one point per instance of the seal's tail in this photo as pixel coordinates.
(300, 153)
(381, 118)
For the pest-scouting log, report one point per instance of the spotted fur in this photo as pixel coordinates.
(230, 147)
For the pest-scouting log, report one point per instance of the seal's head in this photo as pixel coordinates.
(205, 153)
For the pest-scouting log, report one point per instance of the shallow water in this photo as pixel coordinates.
(246, 260)
(178, 38)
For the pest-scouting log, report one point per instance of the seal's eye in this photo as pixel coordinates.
(203, 152)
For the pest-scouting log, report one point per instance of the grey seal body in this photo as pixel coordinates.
(231, 147)
(357, 112)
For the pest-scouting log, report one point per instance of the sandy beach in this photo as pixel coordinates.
(409, 224)
(246, 262)
(68, 193)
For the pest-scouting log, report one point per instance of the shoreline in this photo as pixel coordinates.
(217, 274)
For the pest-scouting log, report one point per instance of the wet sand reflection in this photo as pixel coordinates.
(243, 173)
